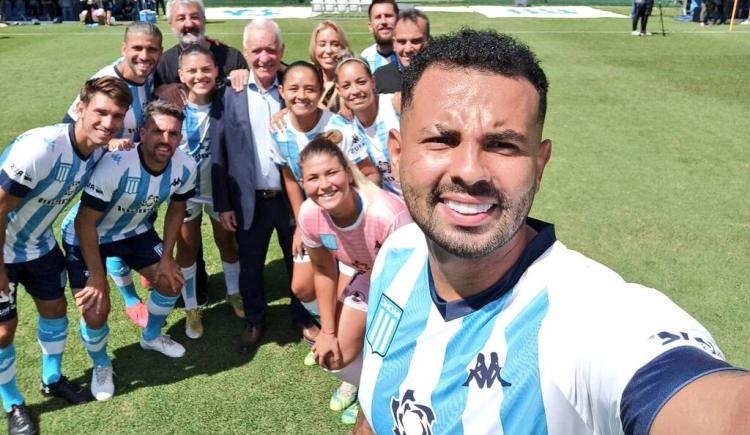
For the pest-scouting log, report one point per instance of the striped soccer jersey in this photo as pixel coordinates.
(376, 137)
(375, 59)
(357, 244)
(128, 192)
(45, 169)
(289, 143)
(142, 94)
(560, 345)
(197, 144)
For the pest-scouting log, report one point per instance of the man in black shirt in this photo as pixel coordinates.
(410, 35)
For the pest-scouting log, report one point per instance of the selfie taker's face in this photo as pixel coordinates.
(471, 158)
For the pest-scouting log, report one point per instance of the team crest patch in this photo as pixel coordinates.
(383, 326)
(62, 172)
(131, 185)
(410, 417)
(328, 241)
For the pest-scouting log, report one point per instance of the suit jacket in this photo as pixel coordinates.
(234, 160)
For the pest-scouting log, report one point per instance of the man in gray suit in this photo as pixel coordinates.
(247, 185)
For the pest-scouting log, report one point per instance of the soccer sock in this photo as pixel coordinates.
(188, 290)
(8, 389)
(123, 278)
(312, 308)
(159, 307)
(51, 335)
(95, 342)
(231, 277)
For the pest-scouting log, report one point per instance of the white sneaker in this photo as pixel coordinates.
(102, 386)
(193, 324)
(746, 22)
(635, 33)
(165, 345)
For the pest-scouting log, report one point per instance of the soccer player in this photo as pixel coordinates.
(198, 73)
(113, 220)
(374, 115)
(141, 50)
(41, 171)
(346, 219)
(381, 20)
(480, 320)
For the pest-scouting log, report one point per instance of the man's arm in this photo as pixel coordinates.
(718, 403)
(8, 203)
(96, 284)
(220, 166)
(168, 268)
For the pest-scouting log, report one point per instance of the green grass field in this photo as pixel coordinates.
(649, 175)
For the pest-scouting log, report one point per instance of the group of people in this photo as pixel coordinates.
(399, 184)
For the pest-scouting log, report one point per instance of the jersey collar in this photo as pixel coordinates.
(544, 238)
(74, 143)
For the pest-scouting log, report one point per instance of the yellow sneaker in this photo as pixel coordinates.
(235, 301)
(193, 323)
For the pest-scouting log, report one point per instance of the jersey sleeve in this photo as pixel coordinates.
(278, 141)
(98, 192)
(189, 174)
(309, 219)
(630, 351)
(27, 162)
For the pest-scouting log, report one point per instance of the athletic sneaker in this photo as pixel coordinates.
(193, 323)
(746, 22)
(310, 361)
(138, 314)
(20, 421)
(235, 301)
(165, 345)
(635, 33)
(646, 34)
(102, 386)
(66, 390)
(343, 397)
(349, 416)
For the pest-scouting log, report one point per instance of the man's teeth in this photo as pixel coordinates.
(464, 208)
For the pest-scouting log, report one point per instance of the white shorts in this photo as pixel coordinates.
(356, 292)
(195, 207)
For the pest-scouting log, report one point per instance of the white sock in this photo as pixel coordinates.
(231, 277)
(311, 307)
(351, 373)
(188, 290)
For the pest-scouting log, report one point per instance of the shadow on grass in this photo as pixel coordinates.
(215, 352)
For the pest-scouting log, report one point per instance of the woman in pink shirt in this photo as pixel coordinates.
(346, 218)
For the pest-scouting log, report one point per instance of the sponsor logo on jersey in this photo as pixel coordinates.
(176, 182)
(131, 185)
(383, 326)
(484, 375)
(411, 417)
(62, 172)
(19, 173)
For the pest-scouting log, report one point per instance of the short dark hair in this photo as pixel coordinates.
(110, 86)
(375, 2)
(196, 49)
(305, 64)
(483, 50)
(161, 107)
(413, 15)
(143, 27)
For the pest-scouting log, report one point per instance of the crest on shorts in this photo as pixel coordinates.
(131, 185)
(328, 241)
(384, 323)
(62, 171)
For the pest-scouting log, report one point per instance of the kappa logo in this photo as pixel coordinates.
(484, 375)
(116, 158)
(383, 326)
(410, 417)
(176, 182)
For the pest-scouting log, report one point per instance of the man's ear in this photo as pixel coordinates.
(542, 158)
(394, 149)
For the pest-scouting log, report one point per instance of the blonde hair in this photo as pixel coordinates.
(327, 24)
